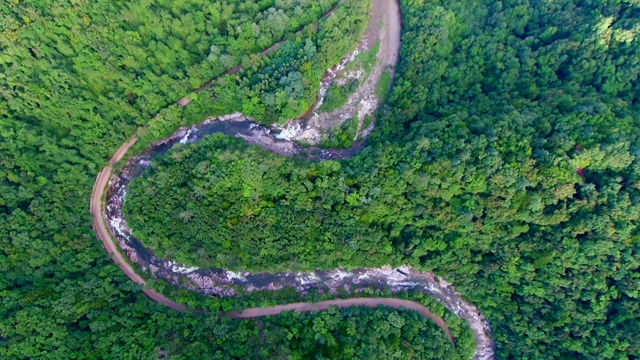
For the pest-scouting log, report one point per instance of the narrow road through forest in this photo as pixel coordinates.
(343, 303)
(484, 344)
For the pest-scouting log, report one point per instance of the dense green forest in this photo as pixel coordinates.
(74, 72)
(505, 160)
(126, 328)
(278, 85)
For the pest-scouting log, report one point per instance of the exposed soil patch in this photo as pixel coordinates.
(384, 27)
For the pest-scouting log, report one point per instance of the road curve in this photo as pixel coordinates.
(343, 303)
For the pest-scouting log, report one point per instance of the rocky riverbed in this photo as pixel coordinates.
(222, 282)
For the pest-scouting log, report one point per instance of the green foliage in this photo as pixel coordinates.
(341, 136)
(337, 95)
(245, 213)
(384, 85)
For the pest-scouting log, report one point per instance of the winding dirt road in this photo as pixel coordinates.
(103, 234)
(97, 211)
(343, 303)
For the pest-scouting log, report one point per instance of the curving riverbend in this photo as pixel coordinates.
(222, 282)
(109, 224)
